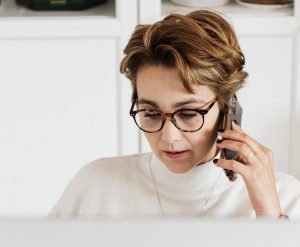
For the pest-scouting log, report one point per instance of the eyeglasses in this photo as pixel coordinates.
(187, 120)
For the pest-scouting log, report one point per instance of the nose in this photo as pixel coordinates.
(170, 133)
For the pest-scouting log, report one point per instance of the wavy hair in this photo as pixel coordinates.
(201, 45)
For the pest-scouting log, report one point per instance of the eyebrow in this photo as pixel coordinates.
(175, 105)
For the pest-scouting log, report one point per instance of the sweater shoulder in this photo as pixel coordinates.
(94, 178)
(286, 180)
(105, 170)
(114, 164)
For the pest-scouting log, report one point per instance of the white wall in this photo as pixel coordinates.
(58, 111)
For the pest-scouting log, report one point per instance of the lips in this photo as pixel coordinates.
(175, 154)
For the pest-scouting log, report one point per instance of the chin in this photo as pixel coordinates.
(178, 162)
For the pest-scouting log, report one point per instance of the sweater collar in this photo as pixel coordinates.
(193, 184)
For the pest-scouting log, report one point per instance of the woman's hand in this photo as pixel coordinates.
(254, 163)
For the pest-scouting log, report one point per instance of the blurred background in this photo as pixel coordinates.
(63, 102)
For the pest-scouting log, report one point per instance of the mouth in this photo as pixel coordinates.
(176, 154)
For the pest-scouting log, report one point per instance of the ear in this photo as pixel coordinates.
(222, 117)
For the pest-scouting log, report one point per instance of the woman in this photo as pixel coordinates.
(184, 71)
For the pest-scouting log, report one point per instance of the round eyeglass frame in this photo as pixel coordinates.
(171, 115)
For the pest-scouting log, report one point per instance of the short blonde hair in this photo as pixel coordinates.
(201, 45)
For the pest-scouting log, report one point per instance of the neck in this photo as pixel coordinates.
(210, 156)
(190, 185)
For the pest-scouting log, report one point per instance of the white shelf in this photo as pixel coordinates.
(19, 22)
(232, 9)
(9, 9)
(247, 21)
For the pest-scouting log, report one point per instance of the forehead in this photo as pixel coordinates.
(160, 84)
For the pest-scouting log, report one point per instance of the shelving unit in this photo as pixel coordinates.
(232, 9)
(10, 9)
(257, 20)
(17, 21)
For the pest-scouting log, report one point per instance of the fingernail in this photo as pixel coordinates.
(219, 141)
(221, 130)
(215, 161)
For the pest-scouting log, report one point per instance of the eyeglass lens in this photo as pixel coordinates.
(152, 121)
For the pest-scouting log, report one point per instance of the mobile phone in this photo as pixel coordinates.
(231, 113)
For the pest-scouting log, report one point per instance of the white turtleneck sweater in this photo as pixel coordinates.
(141, 185)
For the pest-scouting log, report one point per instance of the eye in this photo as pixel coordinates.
(187, 114)
(150, 114)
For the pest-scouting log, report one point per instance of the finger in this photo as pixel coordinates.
(238, 134)
(247, 156)
(238, 128)
(233, 165)
(266, 156)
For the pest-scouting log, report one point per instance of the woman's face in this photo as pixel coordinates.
(178, 150)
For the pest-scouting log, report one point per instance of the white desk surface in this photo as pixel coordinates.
(149, 232)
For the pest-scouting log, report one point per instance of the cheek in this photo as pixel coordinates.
(152, 139)
(207, 135)
(211, 124)
(202, 143)
(200, 139)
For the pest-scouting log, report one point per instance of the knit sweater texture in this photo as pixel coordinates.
(141, 185)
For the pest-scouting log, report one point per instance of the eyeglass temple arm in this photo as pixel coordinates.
(131, 108)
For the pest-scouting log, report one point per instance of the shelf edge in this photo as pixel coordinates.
(11, 28)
